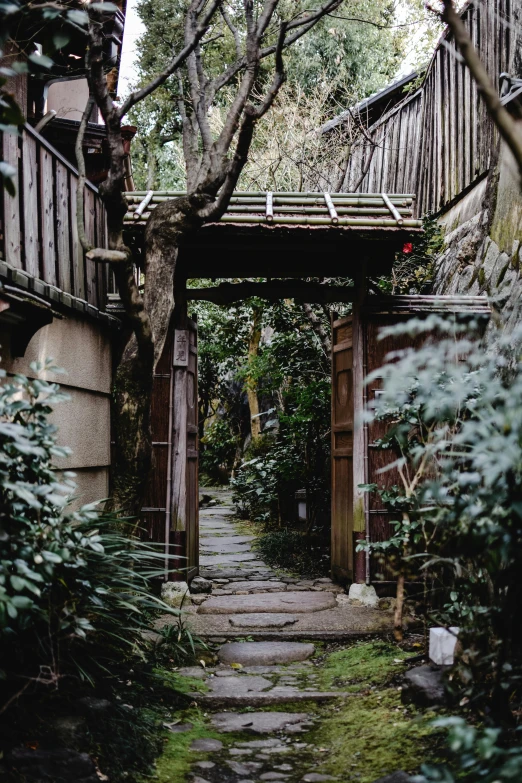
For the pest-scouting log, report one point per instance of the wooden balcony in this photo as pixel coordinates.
(39, 246)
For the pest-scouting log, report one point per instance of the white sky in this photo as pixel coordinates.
(133, 28)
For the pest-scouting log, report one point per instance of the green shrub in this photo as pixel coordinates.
(74, 592)
(293, 550)
(455, 413)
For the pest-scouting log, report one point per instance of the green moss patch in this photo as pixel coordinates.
(177, 759)
(370, 736)
(364, 664)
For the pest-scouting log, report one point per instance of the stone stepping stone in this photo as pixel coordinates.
(218, 540)
(264, 653)
(224, 549)
(238, 686)
(258, 585)
(258, 722)
(209, 560)
(206, 745)
(262, 620)
(288, 603)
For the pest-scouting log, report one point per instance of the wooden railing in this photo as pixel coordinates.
(38, 233)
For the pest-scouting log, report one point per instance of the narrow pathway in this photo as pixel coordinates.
(257, 704)
(250, 597)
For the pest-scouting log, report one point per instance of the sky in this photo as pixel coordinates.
(133, 29)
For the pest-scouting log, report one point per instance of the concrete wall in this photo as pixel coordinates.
(483, 252)
(83, 350)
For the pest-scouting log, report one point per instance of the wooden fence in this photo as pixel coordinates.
(439, 140)
(38, 231)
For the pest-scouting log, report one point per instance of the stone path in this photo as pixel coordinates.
(248, 595)
(259, 693)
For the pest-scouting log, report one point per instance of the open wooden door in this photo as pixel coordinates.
(342, 449)
(170, 513)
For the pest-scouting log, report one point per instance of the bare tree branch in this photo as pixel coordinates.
(232, 28)
(251, 115)
(80, 161)
(175, 63)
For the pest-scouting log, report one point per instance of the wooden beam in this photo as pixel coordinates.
(301, 291)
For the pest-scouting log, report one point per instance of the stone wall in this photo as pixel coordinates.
(83, 349)
(483, 253)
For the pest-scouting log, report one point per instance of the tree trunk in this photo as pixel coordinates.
(251, 383)
(132, 391)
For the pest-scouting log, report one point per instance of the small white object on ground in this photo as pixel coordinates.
(175, 593)
(442, 645)
(363, 595)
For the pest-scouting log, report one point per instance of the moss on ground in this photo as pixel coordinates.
(370, 736)
(180, 683)
(177, 759)
(361, 665)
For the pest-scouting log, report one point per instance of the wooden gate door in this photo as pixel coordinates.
(342, 449)
(170, 513)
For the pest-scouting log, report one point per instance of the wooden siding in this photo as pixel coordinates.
(38, 233)
(439, 140)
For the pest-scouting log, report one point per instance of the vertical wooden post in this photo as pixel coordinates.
(178, 495)
(360, 498)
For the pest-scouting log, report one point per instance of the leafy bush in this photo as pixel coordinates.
(478, 755)
(74, 592)
(218, 452)
(455, 416)
(292, 550)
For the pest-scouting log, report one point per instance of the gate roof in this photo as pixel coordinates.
(360, 211)
(290, 234)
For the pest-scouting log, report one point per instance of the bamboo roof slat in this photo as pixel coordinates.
(343, 210)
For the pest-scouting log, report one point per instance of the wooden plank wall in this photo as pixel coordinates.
(439, 140)
(38, 233)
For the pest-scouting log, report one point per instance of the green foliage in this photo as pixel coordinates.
(294, 551)
(74, 592)
(413, 269)
(219, 450)
(455, 421)
(478, 754)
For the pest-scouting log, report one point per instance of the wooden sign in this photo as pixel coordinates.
(181, 348)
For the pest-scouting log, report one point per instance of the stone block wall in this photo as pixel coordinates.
(483, 252)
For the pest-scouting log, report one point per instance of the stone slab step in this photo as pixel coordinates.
(257, 586)
(264, 653)
(262, 620)
(275, 696)
(261, 722)
(288, 602)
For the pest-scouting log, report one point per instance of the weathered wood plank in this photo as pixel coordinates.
(12, 223)
(30, 201)
(47, 211)
(77, 259)
(63, 230)
(90, 233)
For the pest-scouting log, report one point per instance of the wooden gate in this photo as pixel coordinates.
(170, 513)
(342, 449)
(358, 351)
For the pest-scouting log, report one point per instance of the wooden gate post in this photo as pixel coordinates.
(184, 529)
(360, 498)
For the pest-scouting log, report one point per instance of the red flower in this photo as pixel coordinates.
(407, 248)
